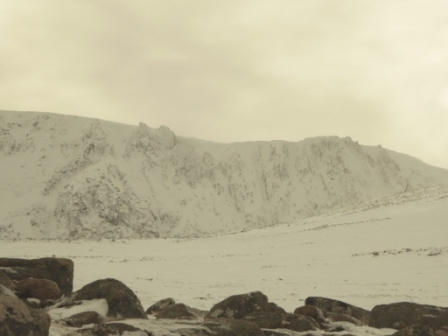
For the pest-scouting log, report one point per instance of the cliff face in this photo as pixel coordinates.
(72, 177)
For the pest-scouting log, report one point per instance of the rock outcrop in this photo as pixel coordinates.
(177, 311)
(238, 306)
(83, 318)
(327, 305)
(58, 270)
(404, 314)
(16, 318)
(6, 281)
(122, 301)
(41, 289)
(160, 305)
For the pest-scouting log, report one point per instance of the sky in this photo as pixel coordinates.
(237, 70)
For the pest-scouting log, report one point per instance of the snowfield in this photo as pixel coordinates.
(391, 250)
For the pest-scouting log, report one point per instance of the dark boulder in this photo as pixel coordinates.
(81, 319)
(6, 281)
(403, 314)
(160, 305)
(238, 306)
(224, 327)
(58, 270)
(177, 311)
(416, 330)
(122, 301)
(16, 318)
(334, 306)
(443, 331)
(279, 320)
(311, 311)
(41, 289)
(113, 329)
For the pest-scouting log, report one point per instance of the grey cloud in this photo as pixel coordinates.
(237, 70)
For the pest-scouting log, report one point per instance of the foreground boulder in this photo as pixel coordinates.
(255, 308)
(278, 320)
(81, 319)
(311, 311)
(160, 305)
(16, 318)
(416, 330)
(122, 301)
(58, 270)
(223, 327)
(115, 329)
(238, 306)
(178, 311)
(6, 281)
(41, 289)
(339, 307)
(403, 314)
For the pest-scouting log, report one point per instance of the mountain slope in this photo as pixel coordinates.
(73, 177)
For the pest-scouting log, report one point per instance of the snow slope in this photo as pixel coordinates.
(80, 178)
(389, 250)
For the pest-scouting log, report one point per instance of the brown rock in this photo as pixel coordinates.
(442, 332)
(6, 281)
(334, 306)
(58, 270)
(112, 329)
(177, 311)
(16, 318)
(416, 330)
(226, 327)
(279, 320)
(333, 317)
(160, 305)
(122, 301)
(310, 311)
(80, 319)
(41, 289)
(403, 314)
(238, 306)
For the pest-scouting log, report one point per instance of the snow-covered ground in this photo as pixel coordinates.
(391, 250)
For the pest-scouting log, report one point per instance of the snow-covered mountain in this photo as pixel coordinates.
(73, 177)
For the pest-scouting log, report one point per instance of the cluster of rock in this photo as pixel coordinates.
(31, 289)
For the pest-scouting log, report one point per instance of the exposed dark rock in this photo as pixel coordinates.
(160, 305)
(58, 270)
(334, 317)
(276, 320)
(41, 289)
(6, 281)
(122, 301)
(311, 311)
(442, 331)
(177, 311)
(334, 306)
(416, 330)
(301, 323)
(16, 318)
(113, 329)
(238, 306)
(224, 327)
(80, 319)
(403, 314)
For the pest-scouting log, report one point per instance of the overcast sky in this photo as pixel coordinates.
(241, 70)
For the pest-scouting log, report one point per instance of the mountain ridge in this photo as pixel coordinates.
(82, 178)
